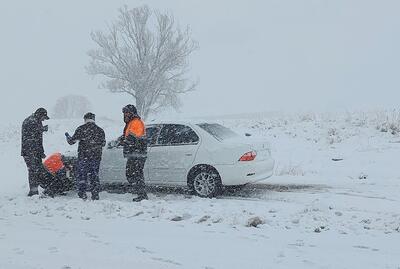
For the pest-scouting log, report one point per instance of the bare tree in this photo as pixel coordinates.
(144, 53)
(71, 106)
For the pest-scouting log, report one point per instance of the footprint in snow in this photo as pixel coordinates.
(53, 250)
(19, 251)
(144, 250)
(166, 261)
(97, 241)
(361, 247)
(308, 262)
(91, 235)
(203, 219)
(177, 218)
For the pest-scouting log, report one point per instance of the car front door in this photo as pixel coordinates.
(152, 133)
(173, 154)
(112, 168)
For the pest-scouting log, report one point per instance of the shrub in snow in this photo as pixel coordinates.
(254, 222)
(9, 133)
(307, 117)
(333, 136)
(358, 119)
(388, 122)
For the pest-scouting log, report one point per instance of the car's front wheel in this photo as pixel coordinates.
(205, 181)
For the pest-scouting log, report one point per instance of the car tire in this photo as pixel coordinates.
(204, 181)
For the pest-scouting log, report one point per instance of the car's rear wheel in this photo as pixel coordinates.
(204, 181)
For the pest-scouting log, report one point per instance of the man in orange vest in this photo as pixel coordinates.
(135, 150)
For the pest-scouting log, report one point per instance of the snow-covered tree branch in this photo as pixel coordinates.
(145, 54)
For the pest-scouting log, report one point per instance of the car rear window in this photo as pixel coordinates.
(218, 131)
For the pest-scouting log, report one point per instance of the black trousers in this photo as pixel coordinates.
(135, 175)
(87, 170)
(36, 172)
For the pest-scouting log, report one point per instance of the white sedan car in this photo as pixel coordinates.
(203, 157)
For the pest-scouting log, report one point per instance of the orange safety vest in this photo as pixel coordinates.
(54, 163)
(135, 127)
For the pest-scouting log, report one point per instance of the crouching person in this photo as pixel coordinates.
(135, 151)
(91, 142)
(56, 176)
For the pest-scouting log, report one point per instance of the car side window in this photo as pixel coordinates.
(177, 134)
(151, 135)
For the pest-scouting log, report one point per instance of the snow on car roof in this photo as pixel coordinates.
(185, 122)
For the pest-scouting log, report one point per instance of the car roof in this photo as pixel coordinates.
(183, 122)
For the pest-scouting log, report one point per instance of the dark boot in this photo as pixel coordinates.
(95, 196)
(32, 193)
(82, 195)
(140, 198)
(48, 193)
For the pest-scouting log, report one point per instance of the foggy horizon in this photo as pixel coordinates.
(256, 56)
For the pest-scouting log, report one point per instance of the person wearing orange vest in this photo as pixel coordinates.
(135, 151)
(55, 176)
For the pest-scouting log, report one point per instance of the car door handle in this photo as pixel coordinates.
(189, 154)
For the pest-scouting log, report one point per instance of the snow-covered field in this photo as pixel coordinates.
(334, 202)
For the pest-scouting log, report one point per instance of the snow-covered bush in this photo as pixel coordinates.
(359, 118)
(308, 117)
(333, 136)
(388, 122)
(9, 133)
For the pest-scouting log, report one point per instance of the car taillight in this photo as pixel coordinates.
(249, 156)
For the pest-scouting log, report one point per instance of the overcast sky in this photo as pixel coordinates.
(254, 55)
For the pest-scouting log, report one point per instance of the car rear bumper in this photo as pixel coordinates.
(246, 172)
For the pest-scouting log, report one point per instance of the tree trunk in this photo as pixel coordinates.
(140, 105)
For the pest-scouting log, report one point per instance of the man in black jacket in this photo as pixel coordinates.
(91, 142)
(32, 148)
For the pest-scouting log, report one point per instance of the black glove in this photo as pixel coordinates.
(69, 139)
(46, 128)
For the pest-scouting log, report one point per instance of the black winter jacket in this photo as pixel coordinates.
(91, 141)
(134, 147)
(32, 138)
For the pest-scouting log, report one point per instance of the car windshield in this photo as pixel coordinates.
(218, 131)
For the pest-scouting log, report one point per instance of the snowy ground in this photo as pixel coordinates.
(316, 212)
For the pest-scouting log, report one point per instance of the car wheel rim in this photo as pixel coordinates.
(205, 183)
